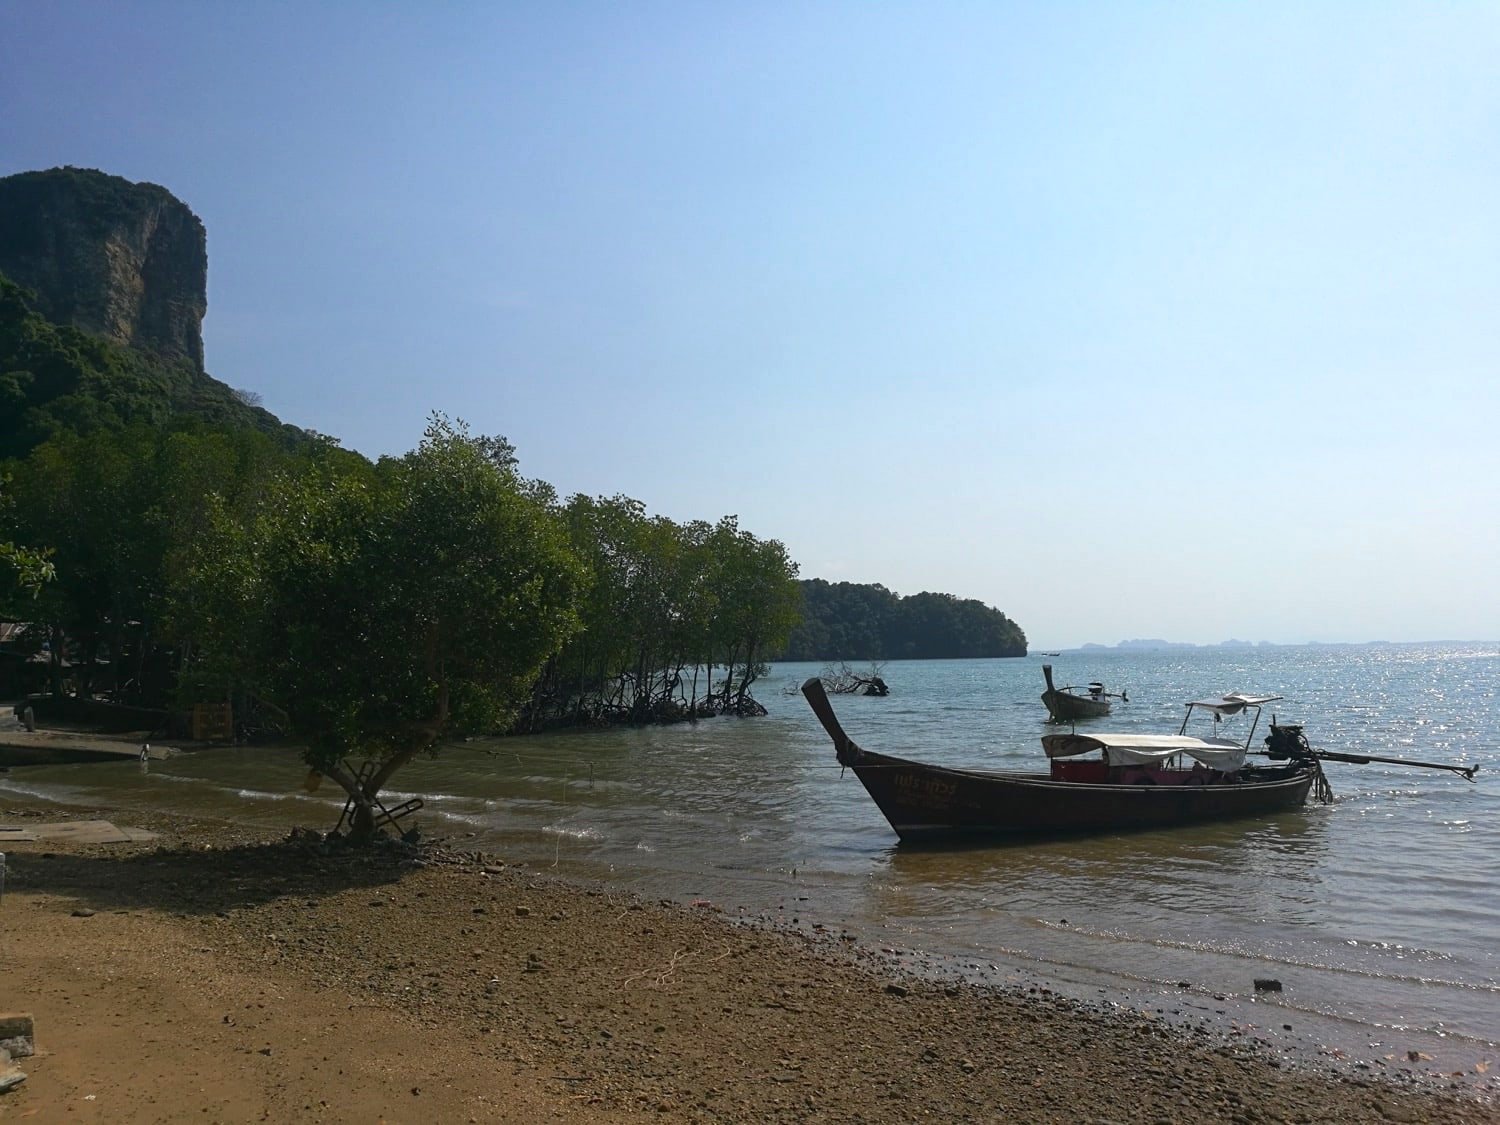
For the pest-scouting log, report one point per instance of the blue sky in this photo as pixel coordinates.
(1131, 320)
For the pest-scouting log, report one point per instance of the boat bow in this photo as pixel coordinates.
(844, 747)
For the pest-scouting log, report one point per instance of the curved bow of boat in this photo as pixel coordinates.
(817, 697)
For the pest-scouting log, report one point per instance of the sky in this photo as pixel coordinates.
(1130, 320)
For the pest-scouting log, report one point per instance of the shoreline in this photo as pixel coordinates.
(563, 1000)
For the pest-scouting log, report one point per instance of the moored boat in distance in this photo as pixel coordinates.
(1069, 704)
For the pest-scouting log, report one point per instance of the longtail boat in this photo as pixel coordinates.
(1070, 703)
(1099, 782)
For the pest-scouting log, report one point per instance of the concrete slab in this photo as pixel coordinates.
(74, 831)
(54, 747)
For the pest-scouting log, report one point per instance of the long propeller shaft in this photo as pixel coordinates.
(1466, 772)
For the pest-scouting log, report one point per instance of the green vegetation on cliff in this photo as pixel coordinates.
(854, 621)
(55, 379)
(101, 201)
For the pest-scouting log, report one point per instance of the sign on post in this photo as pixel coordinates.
(213, 722)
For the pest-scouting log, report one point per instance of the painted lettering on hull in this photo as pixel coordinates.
(924, 792)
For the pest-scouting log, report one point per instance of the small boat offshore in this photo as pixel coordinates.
(1069, 704)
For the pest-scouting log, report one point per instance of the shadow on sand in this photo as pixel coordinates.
(211, 880)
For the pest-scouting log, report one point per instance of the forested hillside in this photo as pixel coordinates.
(855, 621)
(57, 379)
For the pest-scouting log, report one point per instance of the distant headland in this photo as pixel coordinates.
(1149, 644)
(1157, 643)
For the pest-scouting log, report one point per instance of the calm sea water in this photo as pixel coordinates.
(1379, 914)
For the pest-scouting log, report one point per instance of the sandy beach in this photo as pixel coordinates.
(212, 974)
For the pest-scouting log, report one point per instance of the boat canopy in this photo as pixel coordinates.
(1148, 749)
(1232, 704)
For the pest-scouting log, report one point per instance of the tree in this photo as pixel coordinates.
(385, 612)
(667, 604)
(120, 508)
(90, 499)
(30, 569)
(760, 604)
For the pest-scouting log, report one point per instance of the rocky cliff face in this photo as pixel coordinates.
(125, 261)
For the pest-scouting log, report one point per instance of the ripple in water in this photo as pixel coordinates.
(1377, 912)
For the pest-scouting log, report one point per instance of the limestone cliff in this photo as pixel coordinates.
(121, 260)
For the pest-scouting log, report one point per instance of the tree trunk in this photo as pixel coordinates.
(143, 638)
(116, 658)
(746, 679)
(640, 698)
(730, 660)
(90, 661)
(423, 736)
(583, 662)
(54, 665)
(362, 822)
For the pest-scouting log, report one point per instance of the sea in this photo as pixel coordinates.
(1378, 915)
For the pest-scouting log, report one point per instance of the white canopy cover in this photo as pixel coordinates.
(1231, 704)
(1148, 749)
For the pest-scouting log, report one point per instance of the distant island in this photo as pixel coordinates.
(1141, 644)
(1155, 643)
(866, 621)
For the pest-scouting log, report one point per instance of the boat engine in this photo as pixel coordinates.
(1286, 741)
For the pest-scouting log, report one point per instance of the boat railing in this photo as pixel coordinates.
(1228, 707)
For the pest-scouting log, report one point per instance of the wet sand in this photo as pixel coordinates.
(218, 975)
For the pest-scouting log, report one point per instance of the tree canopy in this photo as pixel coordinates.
(29, 568)
(374, 610)
(668, 603)
(384, 611)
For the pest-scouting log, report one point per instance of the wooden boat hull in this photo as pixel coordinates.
(1065, 707)
(924, 802)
